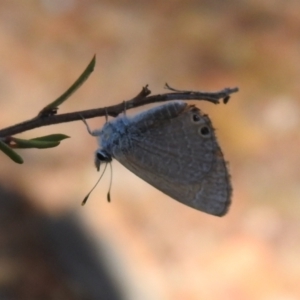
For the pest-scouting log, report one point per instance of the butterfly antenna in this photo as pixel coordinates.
(110, 183)
(88, 195)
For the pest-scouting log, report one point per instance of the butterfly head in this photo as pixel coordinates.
(101, 156)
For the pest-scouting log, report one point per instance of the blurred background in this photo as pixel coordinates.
(144, 245)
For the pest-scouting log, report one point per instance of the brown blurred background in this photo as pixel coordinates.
(145, 245)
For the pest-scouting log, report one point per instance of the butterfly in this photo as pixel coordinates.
(173, 147)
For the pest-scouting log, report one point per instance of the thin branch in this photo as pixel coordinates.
(142, 98)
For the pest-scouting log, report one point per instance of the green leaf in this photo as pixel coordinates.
(25, 144)
(42, 142)
(51, 138)
(51, 108)
(10, 153)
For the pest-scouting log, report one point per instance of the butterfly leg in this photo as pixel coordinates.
(124, 103)
(91, 132)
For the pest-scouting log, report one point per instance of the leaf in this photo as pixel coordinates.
(10, 153)
(42, 142)
(39, 144)
(51, 108)
(51, 137)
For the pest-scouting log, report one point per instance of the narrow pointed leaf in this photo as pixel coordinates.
(51, 138)
(10, 153)
(25, 144)
(51, 108)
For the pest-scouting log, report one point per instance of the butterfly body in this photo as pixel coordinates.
(172, 147)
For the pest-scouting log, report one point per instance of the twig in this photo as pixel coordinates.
(142, 98)
(48, 115)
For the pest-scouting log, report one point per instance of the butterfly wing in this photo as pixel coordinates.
(174, 148)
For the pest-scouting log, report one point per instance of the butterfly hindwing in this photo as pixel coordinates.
(174, 148)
